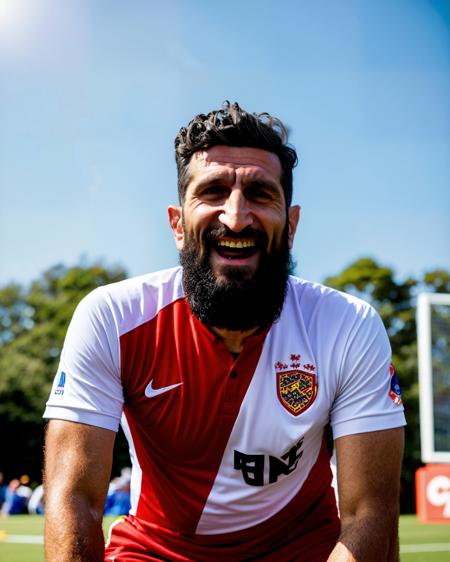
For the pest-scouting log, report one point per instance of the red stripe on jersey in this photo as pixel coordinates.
(180, 435)
(306, 530)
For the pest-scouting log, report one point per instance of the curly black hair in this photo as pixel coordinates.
(233, 126)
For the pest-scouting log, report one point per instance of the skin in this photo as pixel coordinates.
(78, 460)
(368, 474)
(236, 187)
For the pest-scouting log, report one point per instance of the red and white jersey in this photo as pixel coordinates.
(221, 444)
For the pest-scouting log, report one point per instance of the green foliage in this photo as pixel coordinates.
(396, 302)
(33, 323)
(437, 281)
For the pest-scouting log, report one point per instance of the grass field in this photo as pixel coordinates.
(418, 542)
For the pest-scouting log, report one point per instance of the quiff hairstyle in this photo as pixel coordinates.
(233, 126)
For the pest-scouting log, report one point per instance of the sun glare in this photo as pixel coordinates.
(10, 15)
(40, 34)
(11, 33)
(16, 17)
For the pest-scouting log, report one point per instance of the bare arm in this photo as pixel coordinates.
(78, 460)
(368, 470)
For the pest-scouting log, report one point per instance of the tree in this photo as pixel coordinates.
(396, 302)
(33, 323)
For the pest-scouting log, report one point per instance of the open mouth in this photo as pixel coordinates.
(235, 248)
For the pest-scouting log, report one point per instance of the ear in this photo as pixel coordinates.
(176, 224)
(293, 217)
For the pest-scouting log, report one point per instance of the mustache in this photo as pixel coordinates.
(215, 232)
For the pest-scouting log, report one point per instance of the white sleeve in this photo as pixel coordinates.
(87, 386)
(366, 398)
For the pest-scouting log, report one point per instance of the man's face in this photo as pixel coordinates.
(234, 208)
(234, 234)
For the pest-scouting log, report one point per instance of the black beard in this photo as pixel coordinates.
(240, 303)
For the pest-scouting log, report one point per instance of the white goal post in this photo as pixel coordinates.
(433, 345)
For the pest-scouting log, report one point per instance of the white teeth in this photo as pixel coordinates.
(236, 243)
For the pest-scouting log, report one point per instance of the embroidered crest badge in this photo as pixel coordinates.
(296, 390)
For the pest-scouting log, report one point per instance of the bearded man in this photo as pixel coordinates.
(225, 374)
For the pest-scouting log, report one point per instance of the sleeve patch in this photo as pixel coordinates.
(395, 392)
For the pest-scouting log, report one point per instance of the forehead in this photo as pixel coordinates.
(227, 158)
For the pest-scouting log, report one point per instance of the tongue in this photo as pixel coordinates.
(234, 253)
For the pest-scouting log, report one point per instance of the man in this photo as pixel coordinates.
(227, 371)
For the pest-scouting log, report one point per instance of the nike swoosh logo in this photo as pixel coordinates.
(151, 392)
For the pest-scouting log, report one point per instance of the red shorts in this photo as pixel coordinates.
(312, 540)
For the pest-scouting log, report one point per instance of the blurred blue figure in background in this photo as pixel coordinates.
(16, 497)
(118, 497)
(2, 489)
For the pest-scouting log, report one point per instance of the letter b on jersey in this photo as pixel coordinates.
(252, 466)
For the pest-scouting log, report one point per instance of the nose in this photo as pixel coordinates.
(236, 214)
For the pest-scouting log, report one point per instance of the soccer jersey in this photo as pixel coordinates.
(226, 450)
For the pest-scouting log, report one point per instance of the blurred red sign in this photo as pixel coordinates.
(433, 493)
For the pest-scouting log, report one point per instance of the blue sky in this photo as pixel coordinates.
(92, 94)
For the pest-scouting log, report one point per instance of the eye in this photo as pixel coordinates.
(213, 192)
(260, 192)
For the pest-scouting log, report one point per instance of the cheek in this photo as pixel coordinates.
(198, 223)
(275, 227)
(194, 232)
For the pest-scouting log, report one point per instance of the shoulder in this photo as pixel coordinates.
(318, 299)
(132, 301)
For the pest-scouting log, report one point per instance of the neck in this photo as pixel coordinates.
(233, 339)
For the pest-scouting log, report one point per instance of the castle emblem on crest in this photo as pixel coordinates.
(296, 384)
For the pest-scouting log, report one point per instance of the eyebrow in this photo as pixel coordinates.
(223, 178)
(214, 179)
